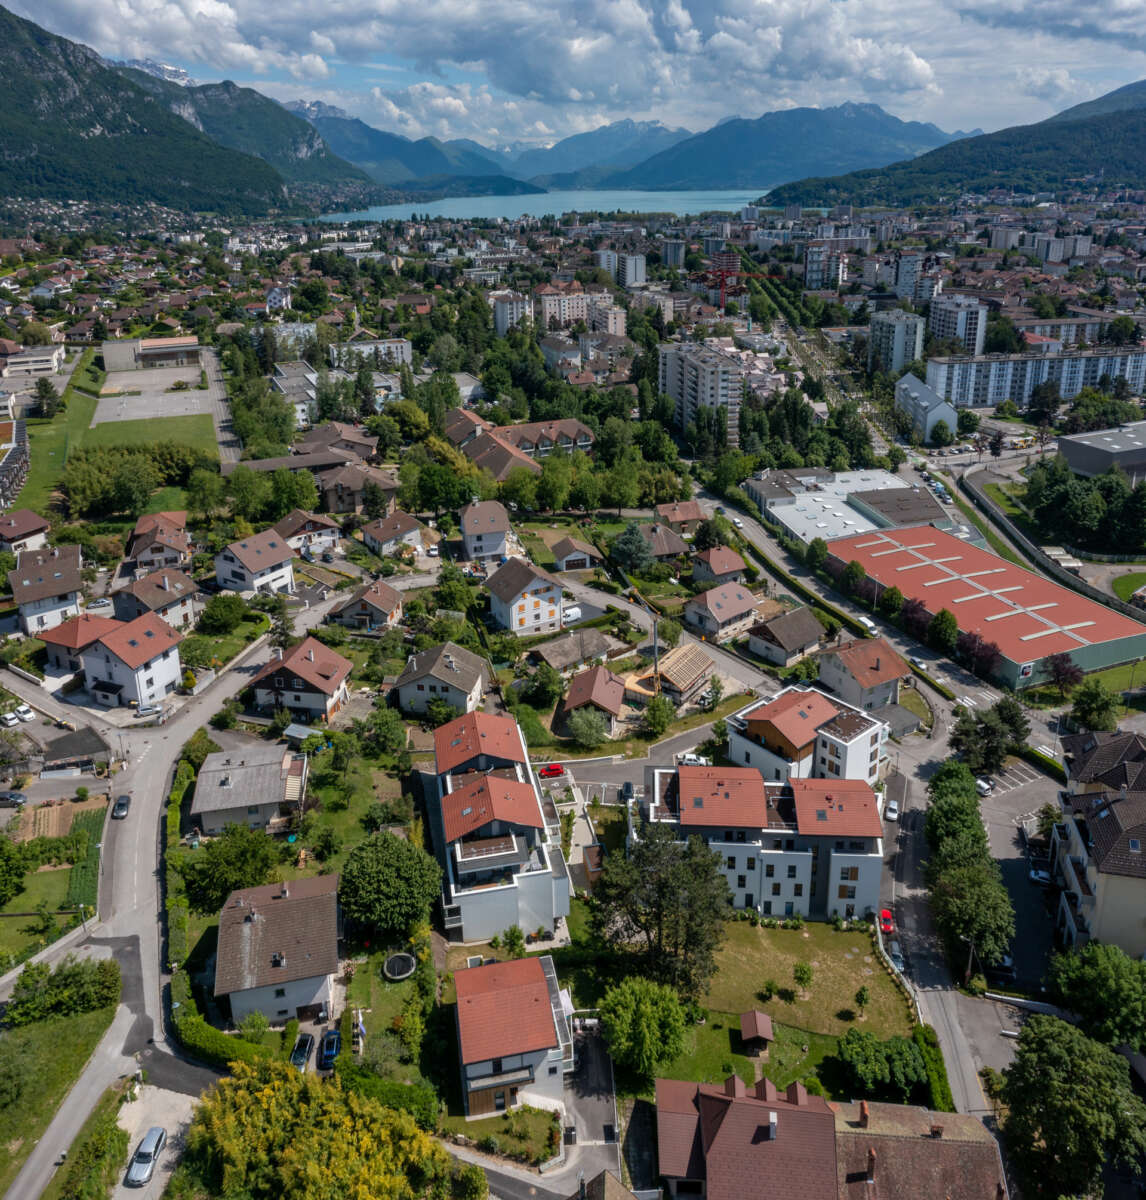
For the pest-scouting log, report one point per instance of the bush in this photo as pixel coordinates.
(212, 1045)
(73, 987)
(419, 1100)
(96, 1164)
(927, 1040)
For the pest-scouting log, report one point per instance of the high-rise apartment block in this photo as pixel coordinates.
(896, 339)
(509, 310)
(961, 317)
(672, 253)
(825, 267)
(630, 270)
(697, 376)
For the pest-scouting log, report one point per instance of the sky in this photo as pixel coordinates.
(518, 71)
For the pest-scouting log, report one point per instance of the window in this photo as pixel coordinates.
(874, 756)
(740, 835)
(751, 864)
(798, 890)
(845, 872)
(741, 883)
(296, 682)
(421, 687)
(747, 756)
(252, 810)
(769, 870)
(856, 846)
(791, 870)
(790, 844)
(839, 845)
(777, 844)
(552, 1070)
(732, 862)
(775, 889)
(728, 835)
(283, 1012)
(748, 898)
(495, 1066)
(280, 993)
(499, 1101)
(521, 608)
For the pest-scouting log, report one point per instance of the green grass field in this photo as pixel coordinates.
(40, 887)
(1126, 585)
(197, 431)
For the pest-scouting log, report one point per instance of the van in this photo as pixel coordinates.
(571, 614)
(869, 625)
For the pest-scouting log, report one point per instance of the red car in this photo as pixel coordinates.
(885, 922)
(552, 771)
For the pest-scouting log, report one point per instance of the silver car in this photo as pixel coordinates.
(142, 1165)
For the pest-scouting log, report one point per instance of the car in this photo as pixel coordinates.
(895, 955)
(869, 625)
(433, 552)
(9, 719)
(891, 810)
(738, 522)
(551, 771)
(327, 557)
(984, 785)
(694, 760)
(147, 710)
(100, 602)
(24, 712)
(300, 1055)
(1039, 877)
(329, 1050)
(142, 1165)
(886, 924)
(627, 790)
(120, 807)
(919, 664)
(13, 799)
(571, 614)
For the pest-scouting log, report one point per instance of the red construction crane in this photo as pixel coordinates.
(725, 276)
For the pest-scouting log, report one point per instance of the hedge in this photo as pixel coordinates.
(928, 1042)
(1029, 754)
(97, 1162)
(801, 589)
(213, 1046)
(941, 688)
(419, 1100)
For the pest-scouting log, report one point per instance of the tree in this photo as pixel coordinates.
(1044, 401)
(713, 694)
(514, 941)
(1064, 672)
(968, 422)
(389, 883)
(970, 901)
(588, 728)
(659, 715)
(951, 817)
(1095, 706)
(222, 613)
(891, 1069)
(544, 687)
(862, 999)
(1070, 1110)
(665, 900)
(852, 577)
(941, 434)
(943, 631)
(803, 974)
(708, 536)
(238, 858)
(205, 492)
(13, 867)
(630, 551)
(250, 492)
(47, 398)
(981, 739)
(1107, 990)
(643, 1024)
(440, 712)
(282, 629)
(816, 554)
(997, 443)
(668, 632)
(1014, 719)
(890, 602)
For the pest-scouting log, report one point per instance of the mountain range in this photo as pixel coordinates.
(1099, 139)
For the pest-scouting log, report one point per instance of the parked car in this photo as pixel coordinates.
(869, 625)
(551, 771)
(300, 1055)
(694, 760)
(99, 602)
(120, 807)
(886, 924)
(327, 557)
(895, 955)
(627, 790)
(891, 810)
(9, 719)
(433, 552)
(919, 664)
(738, 522)
(984, 785)
(149, 710)
(1039, 877)
(24, 713)
(329, 1050)
(13, 799)
(142, 1165)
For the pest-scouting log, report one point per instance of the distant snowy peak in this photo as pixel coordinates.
(312, 110)
(159, 70)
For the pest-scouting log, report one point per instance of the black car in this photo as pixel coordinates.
(119, 809)
(300, 1055)
(13, 799)
(329, 1050)
(328, 557)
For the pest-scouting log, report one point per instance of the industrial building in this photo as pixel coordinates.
(1026, 616)
(1096, 452)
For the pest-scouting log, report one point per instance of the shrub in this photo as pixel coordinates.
(928, 1042)
(419, 1100)
(212, 1045)
(96, 1164)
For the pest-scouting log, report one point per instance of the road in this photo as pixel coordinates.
(220, 408)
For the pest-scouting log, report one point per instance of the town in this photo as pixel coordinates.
(613, 705)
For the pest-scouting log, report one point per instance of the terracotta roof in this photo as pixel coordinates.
(261, 550)
(720, 560)
(483, 516)
(21, 523)
(504, 1009)
(277, 933)
(597, 686)
(312, 662)
(568, 546)
(161, 588)
(298, 520)
(137, 642)
(871, 661)
(726, 602)
(461, 423)
(722, 796)
(682, 510)
(78, 632)
(378, 594)
(472, 734)
(755, 1024)
(175, 518)
(534, 431)
(795, 715)
(490, 798)
(836, 808)
(516, 576)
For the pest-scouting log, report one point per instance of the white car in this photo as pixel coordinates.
(100, 602)
(694, 760)
(984, 786)
(738, 522)
(433, 552)
(25, 713)
(9, 719)
(919, 664)
(1040, 877)
(891, 810)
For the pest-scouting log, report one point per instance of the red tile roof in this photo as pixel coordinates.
(872, 661)
(79, 631)
(755, 1024)
(597, 686)
(720, 560)
(795, 715)
(504, 1009)
(137, 642)
(472, 734)
(490, 798)
(312, 662)
(836, 808)
(722, 796)
(681, 510)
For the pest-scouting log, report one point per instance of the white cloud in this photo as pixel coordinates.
(1055, 84)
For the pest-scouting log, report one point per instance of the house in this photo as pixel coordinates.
(160, 540)
(865, 673)
(462, 426)
(170, 594)
(569, 554)
(259, 563)
(65, 641)
(46, 585)
(575, 649)
(278, 950)
(374, 605)
(22, 529)
(337, 435)
(524, 599)
(309, 533)
(785, 639)
(663, 543)
(498, 457)
(600, 689)
(722, 612)
(682, 516)
(309, 680)
(718, 565)
(756, 1031)
(499, 849)
(253, 786)
(387, 535)
(445, 672)
(1101, 762)
(343, 488)
(801, 734)
(514, 1041)
(133, 665)
(683, 672)
(485, 530)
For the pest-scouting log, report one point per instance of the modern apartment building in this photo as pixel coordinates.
(896, 339)
(509, 310)
(697, 377)
(825, 267)
(673, 252)
(924, 406)
(631, 270)
(962, 317)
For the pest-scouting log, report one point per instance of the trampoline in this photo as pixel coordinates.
(398, 967)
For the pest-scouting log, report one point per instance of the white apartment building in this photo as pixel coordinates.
(802, 734)
(509, 310)
(605, 317)
(372, 351)
(561, 309)
(896, 339)
(47, 585)
(811, 848)
(525, 599)
(825, 267)
(260, 563)
(924, 406)
(606, 260)
(631, 270)
(962, 317)
(133, 665)
(697, 377)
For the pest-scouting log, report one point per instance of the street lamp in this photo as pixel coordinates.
(970, 954)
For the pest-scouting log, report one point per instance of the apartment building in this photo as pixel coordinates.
(47, 585)
(802, 734)
(961, 317)
(673, 252)
(259, 563)
(925, 407)
(631, 270)
(135, 664)
(499, 847)
(371, 351)
(896, 339)
(509, 310)
(699, 377)
(825, 267)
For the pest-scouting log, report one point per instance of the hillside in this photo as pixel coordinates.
(1132, 96)
(619, 144)
(1025, 158)
(242, 119)
(72, 128)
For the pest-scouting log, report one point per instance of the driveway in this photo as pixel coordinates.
(589, 1095)
(155, 1106)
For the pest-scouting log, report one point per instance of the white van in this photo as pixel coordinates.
(869, 625)
(571, 615)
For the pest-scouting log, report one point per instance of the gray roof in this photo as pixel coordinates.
(484, 516)
(254, 774)
(576, 646)
(514, 576)
(43, 573)
(791, 630)
(448, 663)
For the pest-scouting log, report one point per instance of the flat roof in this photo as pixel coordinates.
(823, 510)
(1025, 615)
(1118, 440)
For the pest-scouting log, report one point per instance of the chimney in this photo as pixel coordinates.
(765, 1089)
(796, 1093)
(863, 1114)
(310, 655)
(735, 1086)
(771, 1126)
(937, 1131)
(164, 584)
(870, 1165)
(877, 662)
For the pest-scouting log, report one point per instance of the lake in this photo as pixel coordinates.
(555, 203)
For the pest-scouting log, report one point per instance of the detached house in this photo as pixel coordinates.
(259, 563)
(719, 565)
(722, 612)
(446, 672)
(682, 516)
(310, 680)
(525, 599)
(22, 529)
(597, 688)
(168, 593)
(375, 605)
(160, 540)
(47, 586)
(663, 543)
(786, 639)
(485, 530)
(865, 673)
(313, 533)
(254, 786)
(135, 664)
(388, 535)
(66, 642)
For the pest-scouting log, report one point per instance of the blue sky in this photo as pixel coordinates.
(513, 70)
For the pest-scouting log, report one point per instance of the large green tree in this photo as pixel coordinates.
(1107, 989)
(643, 1024)
(238, 858)
(389, 883)
(630, 551)
(969, 901)
(1095, 706)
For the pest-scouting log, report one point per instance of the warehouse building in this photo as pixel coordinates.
(1096, 452)
(1026, 616)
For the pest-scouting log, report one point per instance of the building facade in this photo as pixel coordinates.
(699, 377)
(895, 339)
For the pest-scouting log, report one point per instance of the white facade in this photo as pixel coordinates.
(484, 545)
(962, 317)
(924, 406)
(509, 310)
(48, 612)
(630, 270)
(390, 350)
(697, 377)
(415, 695)
(895, 339)
(535, 609)
(147, 684)
(545, 1089)
(282, 1003)
(273, 578)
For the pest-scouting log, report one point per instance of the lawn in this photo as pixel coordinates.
(913, 700)
(523, 1134)
(993, 540)
(55, 1053)
(107, 1105)
(537, 549)
(197, 431)
(610, 825)
(1126, 585)
(345, 799)
(217, 649)
(17, 934)
(1118, 679)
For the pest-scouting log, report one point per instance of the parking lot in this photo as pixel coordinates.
(154, 1106)
(154, 401)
